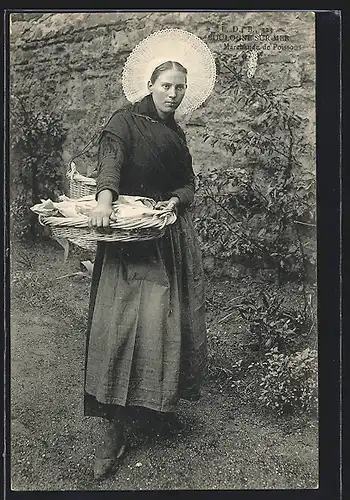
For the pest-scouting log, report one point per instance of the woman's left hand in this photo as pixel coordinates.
(171, 204)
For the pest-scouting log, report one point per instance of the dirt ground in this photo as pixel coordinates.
(227, 443)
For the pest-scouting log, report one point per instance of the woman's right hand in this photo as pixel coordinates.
(99, 216)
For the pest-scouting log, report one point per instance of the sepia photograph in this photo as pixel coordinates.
(163, 250)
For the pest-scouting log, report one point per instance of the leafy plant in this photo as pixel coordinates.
(261, 208)
(36, 140)
(271, 325)
(288, 381)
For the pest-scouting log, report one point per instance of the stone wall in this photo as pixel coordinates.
(72, 63)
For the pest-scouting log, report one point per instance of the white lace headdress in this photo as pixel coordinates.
(171, 45)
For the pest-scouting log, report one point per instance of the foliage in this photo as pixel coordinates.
(271, 325)
(286, 368)
(260, 211)
(261, 208)
(275, 319)
(288, 381)
(36, 140)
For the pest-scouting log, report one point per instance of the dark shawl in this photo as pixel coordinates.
(150, 157)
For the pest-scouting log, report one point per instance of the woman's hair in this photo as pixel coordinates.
(165, 66)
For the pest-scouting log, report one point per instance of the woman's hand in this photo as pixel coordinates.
(99, 216)
(171, 204)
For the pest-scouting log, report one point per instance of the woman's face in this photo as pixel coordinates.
(168, 91)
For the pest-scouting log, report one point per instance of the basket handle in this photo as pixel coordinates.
(72, 169)
(72, 166)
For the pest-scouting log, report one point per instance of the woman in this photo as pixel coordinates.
(146, 343)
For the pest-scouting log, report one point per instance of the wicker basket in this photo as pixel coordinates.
(77, 231)
(79, 234)
(88, 237)
(91, 246)
(79, 185)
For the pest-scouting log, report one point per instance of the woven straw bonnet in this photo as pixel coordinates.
(171, 45)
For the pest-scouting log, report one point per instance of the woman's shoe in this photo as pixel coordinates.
(103, 467)
(110, 452)
(169, 423)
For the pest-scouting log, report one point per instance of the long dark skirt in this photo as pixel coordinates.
(146, 340)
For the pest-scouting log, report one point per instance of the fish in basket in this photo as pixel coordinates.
(134, 218)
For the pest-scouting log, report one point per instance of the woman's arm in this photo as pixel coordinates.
(111, 158)
(110, 161)
(185, 193)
